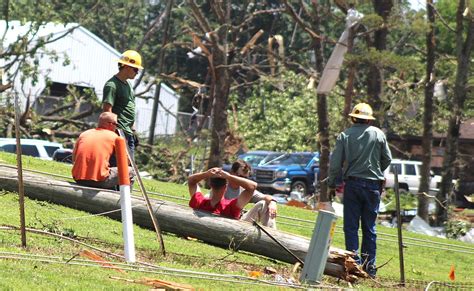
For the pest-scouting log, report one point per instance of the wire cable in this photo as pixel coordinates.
(311, 223)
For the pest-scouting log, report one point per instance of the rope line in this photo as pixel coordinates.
(312, 223)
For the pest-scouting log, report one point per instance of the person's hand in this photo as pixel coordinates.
(214, 172)
(272, 209)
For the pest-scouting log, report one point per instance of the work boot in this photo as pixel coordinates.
(371, 270)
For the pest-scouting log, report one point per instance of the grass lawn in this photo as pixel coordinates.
(426, 258)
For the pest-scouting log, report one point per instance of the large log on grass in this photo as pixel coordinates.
(180, 220)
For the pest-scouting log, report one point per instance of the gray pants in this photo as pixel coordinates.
(259, 212)
(111, 182)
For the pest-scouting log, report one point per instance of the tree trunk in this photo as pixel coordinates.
(183, 221)
(428, 115)
(375, 75)
(322, 109)
(220, 101)
(463, 51)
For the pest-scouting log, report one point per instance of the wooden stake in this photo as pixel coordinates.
(21, 189)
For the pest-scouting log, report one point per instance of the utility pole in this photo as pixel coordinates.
(156, 99)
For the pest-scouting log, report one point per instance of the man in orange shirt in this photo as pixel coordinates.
(92, 153)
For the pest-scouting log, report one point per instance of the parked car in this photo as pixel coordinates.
(63, 155)
(255, 158)
(42, 149)
(409, 175)
(289, 172)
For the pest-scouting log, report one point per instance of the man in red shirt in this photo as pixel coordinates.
(217, 204)
(92, 153)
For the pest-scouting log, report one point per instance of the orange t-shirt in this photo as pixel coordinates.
(91, 155)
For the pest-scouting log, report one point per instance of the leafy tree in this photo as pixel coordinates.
(464, 46)
(283, 117)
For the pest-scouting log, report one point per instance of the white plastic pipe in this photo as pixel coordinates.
(125, 199)
(127, 223)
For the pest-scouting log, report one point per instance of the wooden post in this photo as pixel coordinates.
(21, 191)
(399, 228)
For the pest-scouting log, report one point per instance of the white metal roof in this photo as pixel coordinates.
(91, 60)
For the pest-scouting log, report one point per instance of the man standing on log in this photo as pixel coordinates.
(217, 204)
(92, 152)
(265, 209)
(119, 97)
(364, 153)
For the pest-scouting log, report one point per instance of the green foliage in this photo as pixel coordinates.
(426, 263)
(407, 200)
(280, 115)
(457, 228)
(387, 59)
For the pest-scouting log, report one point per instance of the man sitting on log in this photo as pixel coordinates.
(92, 153)
(265, 209)
(217, 204)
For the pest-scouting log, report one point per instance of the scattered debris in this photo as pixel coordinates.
(420, 226)
(95, 257)
(255, 274)
(157, 283)
(269, 270)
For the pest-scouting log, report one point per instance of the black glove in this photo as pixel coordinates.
(136, 141)
(332, 193)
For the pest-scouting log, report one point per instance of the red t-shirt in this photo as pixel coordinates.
(224, 207)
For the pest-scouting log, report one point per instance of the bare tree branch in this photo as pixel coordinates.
(200, 19)
(446, 24)
(216, 7)
(157, 23)
(300, 21)
(253, 15)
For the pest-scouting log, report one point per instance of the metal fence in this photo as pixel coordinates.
(170, 123)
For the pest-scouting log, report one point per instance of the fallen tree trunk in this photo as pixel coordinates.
(181, 220)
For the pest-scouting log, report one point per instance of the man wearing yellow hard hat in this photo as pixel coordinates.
(363, 153)
(119, 97)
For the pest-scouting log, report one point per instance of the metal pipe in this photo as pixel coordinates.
(279, 243)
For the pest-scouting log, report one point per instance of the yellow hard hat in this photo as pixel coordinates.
(131, 58)
(362, 111)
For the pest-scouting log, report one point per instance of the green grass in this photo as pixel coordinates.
(421, 262)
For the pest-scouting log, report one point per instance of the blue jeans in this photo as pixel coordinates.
(131, 146)
(361, 203)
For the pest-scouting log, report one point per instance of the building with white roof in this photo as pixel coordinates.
(80, 58)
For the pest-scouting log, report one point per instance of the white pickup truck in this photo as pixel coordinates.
(409, 175)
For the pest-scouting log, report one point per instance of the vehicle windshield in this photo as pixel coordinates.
(292, 159)
(253, 159)
(50, 150)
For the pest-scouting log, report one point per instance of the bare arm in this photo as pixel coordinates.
(247, 184)
(194, 179)
(106, 107)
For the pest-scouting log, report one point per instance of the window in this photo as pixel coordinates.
(50, 150)
(410, 170)
(396, 166)
(29, 150)
(9, 148)
(292, 159)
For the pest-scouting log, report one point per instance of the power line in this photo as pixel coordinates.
(311, 223)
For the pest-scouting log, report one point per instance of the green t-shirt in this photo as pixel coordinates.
(120, 95)
(364, 150)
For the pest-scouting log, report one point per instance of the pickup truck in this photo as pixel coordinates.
(289, 172)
